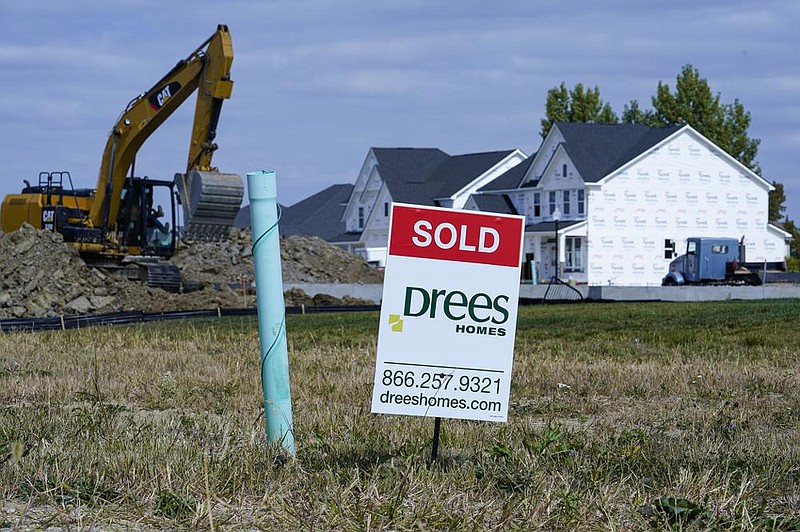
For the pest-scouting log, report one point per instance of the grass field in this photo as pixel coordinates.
(622, 417)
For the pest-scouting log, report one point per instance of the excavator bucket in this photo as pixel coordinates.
(211, 201)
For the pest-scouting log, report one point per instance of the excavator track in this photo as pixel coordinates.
(210, 201)
(156, 274)
(162, 275)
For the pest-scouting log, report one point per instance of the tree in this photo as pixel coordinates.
(576, 105)
(794, 247)
(632, 114)
(693, 103)
(777, 203)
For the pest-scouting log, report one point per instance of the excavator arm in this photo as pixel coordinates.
(210, 199)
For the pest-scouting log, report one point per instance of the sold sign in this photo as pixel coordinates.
(448, 313)
(462, 236)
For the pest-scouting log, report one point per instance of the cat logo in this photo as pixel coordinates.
(162, 95)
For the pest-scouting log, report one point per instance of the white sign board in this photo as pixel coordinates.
(448, 314)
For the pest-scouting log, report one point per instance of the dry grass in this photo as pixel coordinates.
(623, 416)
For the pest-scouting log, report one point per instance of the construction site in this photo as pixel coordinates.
(216, 274)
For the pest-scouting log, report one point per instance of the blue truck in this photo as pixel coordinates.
(712, 260)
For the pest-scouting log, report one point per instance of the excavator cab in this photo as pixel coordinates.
(145, 227)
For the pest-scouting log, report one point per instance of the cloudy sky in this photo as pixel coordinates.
(318, 82)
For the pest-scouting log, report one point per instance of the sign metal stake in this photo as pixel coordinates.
(437, 425)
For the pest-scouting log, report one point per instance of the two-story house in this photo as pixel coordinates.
(623, 198)
(421, 176)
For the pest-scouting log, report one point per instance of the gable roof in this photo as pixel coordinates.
(499, 203)
(420, 175)
(404, 170)
(460, 170)
(511, 179)
(318, 215)
(598, 149)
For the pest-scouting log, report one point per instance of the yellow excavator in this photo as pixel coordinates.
(116, 225)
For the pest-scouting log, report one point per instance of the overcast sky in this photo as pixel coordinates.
(319, 82)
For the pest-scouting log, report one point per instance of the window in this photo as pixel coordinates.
(386, 209)
(719, 249)
(361, 217)
(669, 248)
(573, 251)
(552, 198)
(537, 204)
(563, 170)
(565, 209)
(581, 202)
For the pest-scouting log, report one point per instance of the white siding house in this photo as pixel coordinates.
(422, 176)
(626, 196)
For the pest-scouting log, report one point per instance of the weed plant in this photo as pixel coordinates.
(622, 417)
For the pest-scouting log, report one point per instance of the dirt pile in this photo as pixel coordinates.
(41, 276)
(304, 259)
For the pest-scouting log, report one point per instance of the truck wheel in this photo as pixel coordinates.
(668, 281)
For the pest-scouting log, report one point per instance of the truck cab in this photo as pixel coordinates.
(707, 259)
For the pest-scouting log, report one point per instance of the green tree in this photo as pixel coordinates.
(576, 105)
(794, 247)
(777, 203)
(632, 114)
(693, 103)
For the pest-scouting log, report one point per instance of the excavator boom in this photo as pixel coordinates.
(116, 225)
(207, 71)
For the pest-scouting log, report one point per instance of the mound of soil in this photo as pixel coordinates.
(304, 259)
(41, 276)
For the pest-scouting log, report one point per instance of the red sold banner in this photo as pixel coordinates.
(460, 236)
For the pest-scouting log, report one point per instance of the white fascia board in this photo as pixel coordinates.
(499, 191)
(374, 174)
(763, 183)
(384, 190)
(360, 184)
(554, 137)
(641, 156)
(487, 177)
(578, 229)
(712, 147)
(727, 157)
(778, 231)
(559, 151)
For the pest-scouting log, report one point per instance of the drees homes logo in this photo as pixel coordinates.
(478, 314)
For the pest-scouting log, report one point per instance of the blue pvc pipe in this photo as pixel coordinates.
(262, 191)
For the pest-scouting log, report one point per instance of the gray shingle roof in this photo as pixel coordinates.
(404, 170)
(413, 175)
(511, 179)
(550, 227)
(420, 175)
(318, 215)
(499, 203)
(599, 149)
(460, 170)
